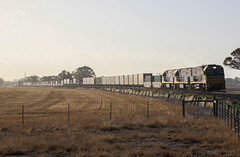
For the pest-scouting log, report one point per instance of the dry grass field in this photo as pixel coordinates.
(90, 132)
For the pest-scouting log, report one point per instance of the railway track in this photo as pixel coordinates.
(229, 96)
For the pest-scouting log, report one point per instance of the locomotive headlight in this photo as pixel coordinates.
(214, 67)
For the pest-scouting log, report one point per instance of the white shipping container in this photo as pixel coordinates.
(136, 79)
(131, 79)
(145, 77)
(68, 81)
(112, 80)
(117, 80)
(85, 81)
(74, 81)
(104, 80)
(91, 80)
(121, 80)
(126, 80)
(108, 80)
(141, 79)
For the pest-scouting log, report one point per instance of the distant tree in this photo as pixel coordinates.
(234, 61)
(64, 75)
(33, 78)
(83, 72)
(8, 83)
(1, 82)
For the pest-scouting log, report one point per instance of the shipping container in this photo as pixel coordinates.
(131, 79)
(136, 79)
(121, 80)
(91, 80)
(104, 80)
(108, 80)
(126, 80)
(74, 81)
(99, 80)
(157, 78)
(112, 80)
(145, 77)
(117, 80)
(84, 81)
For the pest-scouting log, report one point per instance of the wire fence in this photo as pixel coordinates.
(25, 115)
(227, 112)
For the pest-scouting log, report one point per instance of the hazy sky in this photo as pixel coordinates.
(114, 37)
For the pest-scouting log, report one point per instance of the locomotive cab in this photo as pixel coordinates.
(214, 77)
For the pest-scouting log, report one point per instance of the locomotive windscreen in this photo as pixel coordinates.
(214, 71)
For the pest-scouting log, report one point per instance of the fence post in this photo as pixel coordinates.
(23, 114)
(238, 121)
(205, 103)
(183, 107)
(225, 113)
(228, 114)
(222, 111)
(231, 115)
(110, 110)
(147, 110)
(234, 118)
(214, 107)
(68, 113)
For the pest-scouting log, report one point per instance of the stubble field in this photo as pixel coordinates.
(90, 132)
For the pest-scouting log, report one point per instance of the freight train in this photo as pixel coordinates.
(205, 77)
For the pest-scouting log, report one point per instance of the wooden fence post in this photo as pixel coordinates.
(225, 113)
(68, 113)
(238, 121)
(183, 107)
(110, 110)
(228, 114)
(23, 114)
(222, 112)
(234, 118)
(205, 103)
(147, 110)
(216, 111)
(231, 116)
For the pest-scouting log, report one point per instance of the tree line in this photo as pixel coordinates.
(4, 83)
(79, 74)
